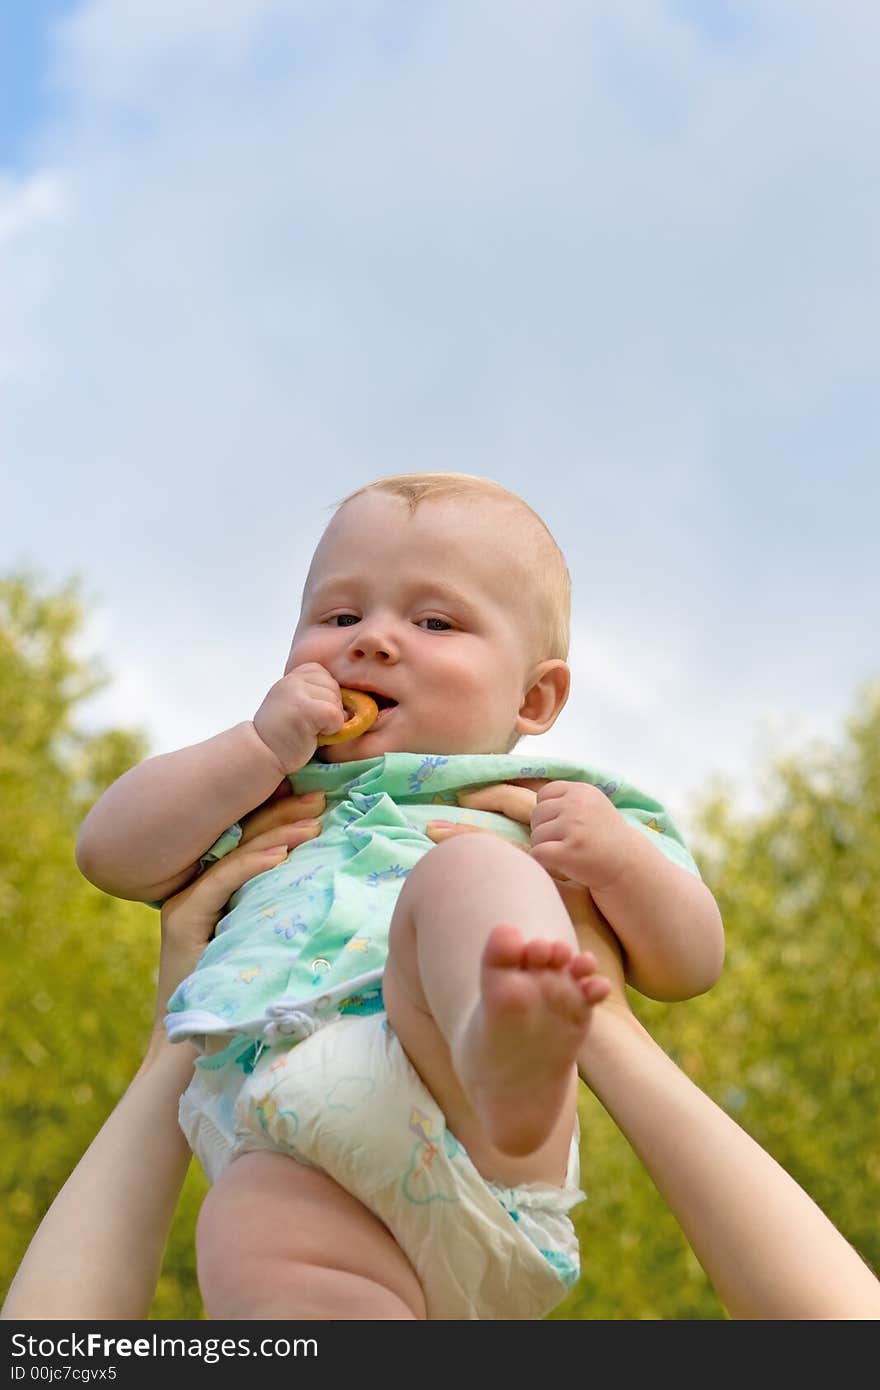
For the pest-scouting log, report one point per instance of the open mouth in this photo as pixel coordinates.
(384, 703)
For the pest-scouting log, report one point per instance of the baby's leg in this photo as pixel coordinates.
(276, 1239)
(491, 999)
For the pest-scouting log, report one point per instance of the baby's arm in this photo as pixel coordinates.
(665, 917)
(144, 836)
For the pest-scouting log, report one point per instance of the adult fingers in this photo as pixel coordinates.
(280, 811)
(439, 830)
(205, 898)
(517, 803)
(190, 917)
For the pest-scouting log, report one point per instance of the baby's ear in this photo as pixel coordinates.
(545, 697)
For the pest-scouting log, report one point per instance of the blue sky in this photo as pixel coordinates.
(620, 258)
(26, 94)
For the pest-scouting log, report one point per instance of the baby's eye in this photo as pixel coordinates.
(343, 619)
(444, 625)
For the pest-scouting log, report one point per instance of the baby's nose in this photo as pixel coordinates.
(374, 641)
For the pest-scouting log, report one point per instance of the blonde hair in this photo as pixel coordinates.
(547, 574)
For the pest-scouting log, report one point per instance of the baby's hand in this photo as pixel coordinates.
(578, 834)
(299, 707)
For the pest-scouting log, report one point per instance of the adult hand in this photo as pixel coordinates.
(189, 918)
(516, 800)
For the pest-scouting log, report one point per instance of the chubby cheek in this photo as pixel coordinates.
(311, 646)
(472, 713)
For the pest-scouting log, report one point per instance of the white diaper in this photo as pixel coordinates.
(348, 1100)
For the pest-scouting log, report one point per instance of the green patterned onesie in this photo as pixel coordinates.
(307, 940)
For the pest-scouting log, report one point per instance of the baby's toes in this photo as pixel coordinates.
(583, 963)
(504, 947)
(594, 988)
(544, 954)
(561, 955)
(538, 954)
(563, 995)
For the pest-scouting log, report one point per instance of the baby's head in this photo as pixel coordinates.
(446, 596)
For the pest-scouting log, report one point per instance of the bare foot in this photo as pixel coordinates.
(516, 1053)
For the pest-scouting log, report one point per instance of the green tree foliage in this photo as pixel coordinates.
(76, 967)
(786, 1042)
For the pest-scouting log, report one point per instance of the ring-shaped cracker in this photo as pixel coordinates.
(364, 714)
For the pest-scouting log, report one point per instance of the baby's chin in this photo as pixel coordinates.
(356, 749)
(343, 753)
(397, 731)
(359, 749)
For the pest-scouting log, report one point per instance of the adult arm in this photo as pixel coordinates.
(769, 1250)
(98, 1251)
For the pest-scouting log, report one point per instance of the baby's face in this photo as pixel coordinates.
(421, 609)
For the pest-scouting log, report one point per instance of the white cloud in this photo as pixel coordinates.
(33, 211)
(589, 250)
(29, 206)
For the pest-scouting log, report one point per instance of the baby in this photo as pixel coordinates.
(404, 1024)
